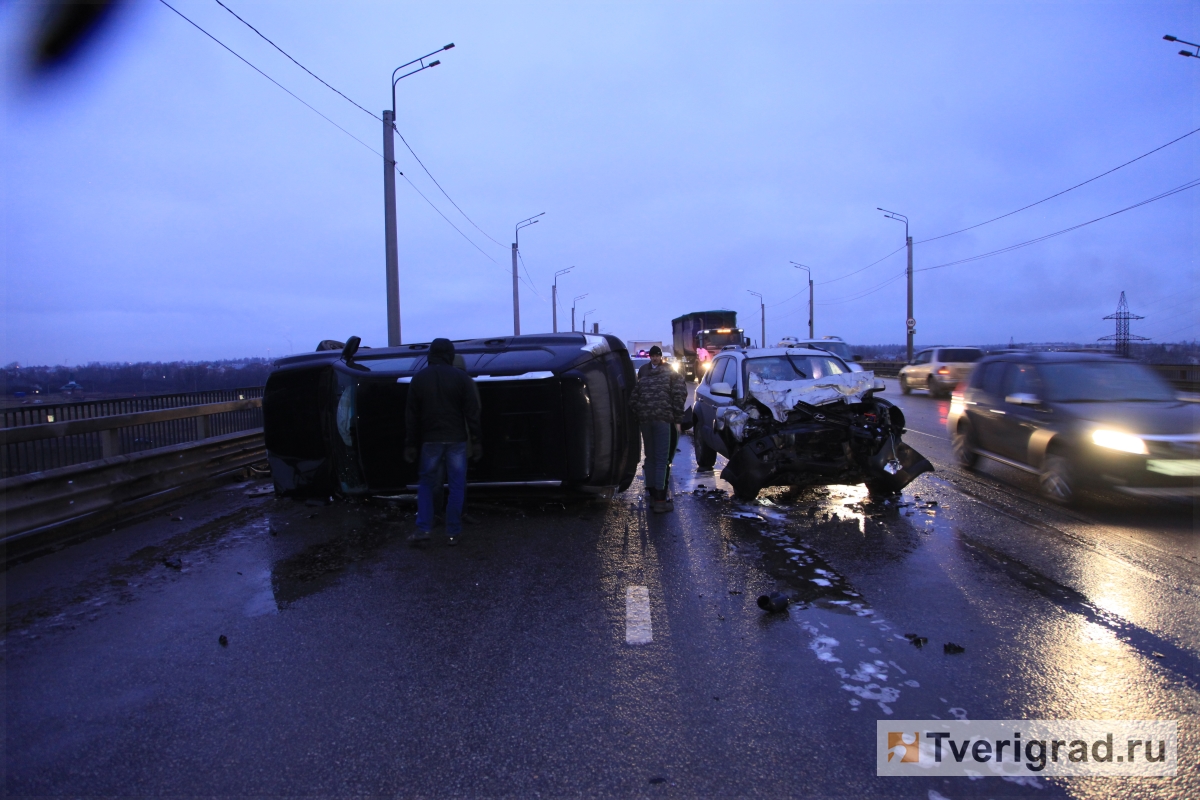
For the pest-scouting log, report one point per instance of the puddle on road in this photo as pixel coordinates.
(844, 631)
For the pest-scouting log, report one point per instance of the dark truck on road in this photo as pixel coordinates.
(710, 330)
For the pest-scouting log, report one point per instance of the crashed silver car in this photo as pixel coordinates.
(799, 417)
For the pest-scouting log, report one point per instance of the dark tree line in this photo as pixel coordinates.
(141, 378)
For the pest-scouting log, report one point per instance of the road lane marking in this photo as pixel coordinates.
(637, 615)
(923, 433)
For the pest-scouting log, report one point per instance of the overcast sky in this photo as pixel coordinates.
(161, 200)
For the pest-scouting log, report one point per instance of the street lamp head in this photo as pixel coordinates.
(449, 46)
(1185, 53)
(1170, 38)
(434, 63)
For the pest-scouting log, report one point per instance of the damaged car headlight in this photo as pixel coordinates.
(1116, 440)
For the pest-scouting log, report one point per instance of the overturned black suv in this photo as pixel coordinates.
(799, 417)
(555, 416)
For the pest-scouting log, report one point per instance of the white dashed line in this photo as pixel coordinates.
(637, 615)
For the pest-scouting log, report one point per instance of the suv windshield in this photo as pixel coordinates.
(837, 348)
(793, 368)
(1103, 381)
(959, 355)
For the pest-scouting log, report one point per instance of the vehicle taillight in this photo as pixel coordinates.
(944, 371)
(958, 401)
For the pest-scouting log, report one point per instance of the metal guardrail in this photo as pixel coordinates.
(884, 369)
(40, 438)
(1184, 377)
(45, 506)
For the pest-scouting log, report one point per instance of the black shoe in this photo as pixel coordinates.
(420, 539)
(452, 541)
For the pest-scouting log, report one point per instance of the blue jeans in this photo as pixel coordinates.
(656, 443)
(433, 456)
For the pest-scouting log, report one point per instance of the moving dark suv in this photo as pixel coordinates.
(1077, 420)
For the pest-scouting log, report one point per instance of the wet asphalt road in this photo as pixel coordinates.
(356, 665)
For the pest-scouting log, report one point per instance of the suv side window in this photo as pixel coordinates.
(1022, 379)
(977, 375)
(993, 380)
(923, 357)
(717, 374)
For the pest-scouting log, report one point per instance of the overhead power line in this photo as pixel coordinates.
(356, 105)
(272, 80)
(1189, 185)
(439, 186)
(863, 294)
(294, 61)
(835, 280)
(1064, 191)
(331, 122)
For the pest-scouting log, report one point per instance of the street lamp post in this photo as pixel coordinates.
(389, 199)
(762, 310)
(573, 302)
(554, 295)
(910, 321)
(1196, 54)
(583, 323)
(525, 223)
(798, 265)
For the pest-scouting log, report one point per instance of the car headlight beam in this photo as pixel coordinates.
(1116, 440)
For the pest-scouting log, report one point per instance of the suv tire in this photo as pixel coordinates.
(743, 494)
(904, 387)
(964, 447)
(1057, 482)
(705, 455)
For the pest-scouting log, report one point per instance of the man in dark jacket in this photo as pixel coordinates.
(657, 401)
(442, 416)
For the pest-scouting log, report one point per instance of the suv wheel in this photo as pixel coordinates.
(743, 494)
(904, 387)
(1057, 480)
(705, 455)
(964, 447)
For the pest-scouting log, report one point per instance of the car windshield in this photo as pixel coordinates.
(840, 349)
(959, 355)
(793, 368)
(1103, 381)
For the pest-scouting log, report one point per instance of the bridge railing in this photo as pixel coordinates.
(43, 507)
(37, 438)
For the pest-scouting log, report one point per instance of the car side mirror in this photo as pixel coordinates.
(351, 348)
(722, 388)
(1023, 399)
(856, 357)
(878, 385)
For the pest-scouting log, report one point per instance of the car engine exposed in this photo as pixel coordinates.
(855, 439)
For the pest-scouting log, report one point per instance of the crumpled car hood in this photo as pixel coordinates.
(782, 396)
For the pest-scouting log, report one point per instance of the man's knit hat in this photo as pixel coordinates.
(442, 350)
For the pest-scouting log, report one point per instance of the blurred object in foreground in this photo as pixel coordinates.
(63, 30)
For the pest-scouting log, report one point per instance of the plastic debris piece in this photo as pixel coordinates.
(952, 649)
(223, 640)
(774, 602)
(173, 563)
